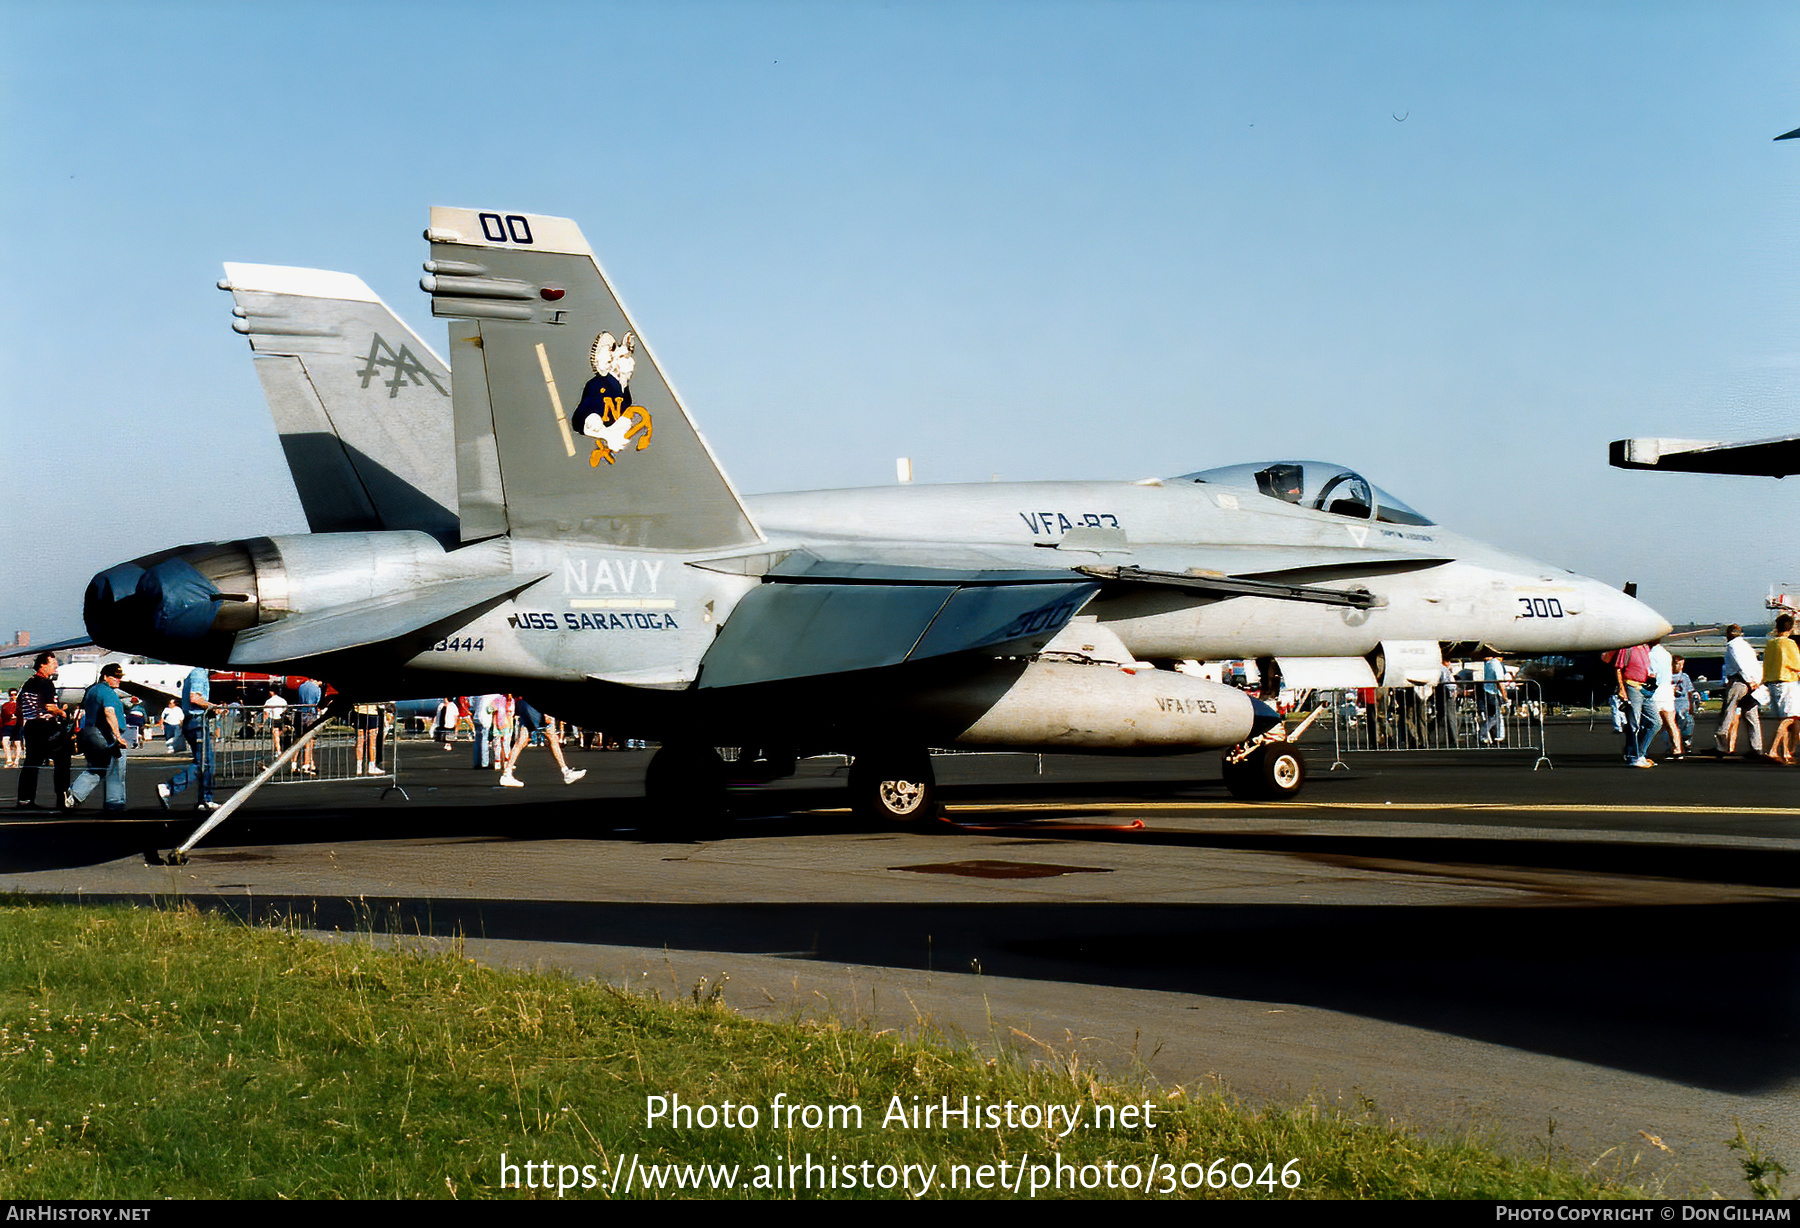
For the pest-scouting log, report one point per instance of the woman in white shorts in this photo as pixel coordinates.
(1662, 668)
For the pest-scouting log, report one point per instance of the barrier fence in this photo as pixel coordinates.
(1473, 716)
(359, 745)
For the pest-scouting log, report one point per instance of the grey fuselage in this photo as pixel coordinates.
(1483, 594)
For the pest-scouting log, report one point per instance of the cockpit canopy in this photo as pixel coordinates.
(1315, 484)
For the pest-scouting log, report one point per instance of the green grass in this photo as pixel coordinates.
(151, 1053)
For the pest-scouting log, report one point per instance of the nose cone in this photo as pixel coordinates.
(1617, 621)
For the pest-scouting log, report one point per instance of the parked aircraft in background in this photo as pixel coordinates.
(600, 562)
(1775, 457)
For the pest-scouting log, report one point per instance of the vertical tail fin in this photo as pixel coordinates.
(363, 405)
(566, 426)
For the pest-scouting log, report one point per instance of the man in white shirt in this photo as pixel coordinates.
(1743, 674)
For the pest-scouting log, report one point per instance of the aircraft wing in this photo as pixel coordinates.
(410, 618)
(813, 617)
(895, 603)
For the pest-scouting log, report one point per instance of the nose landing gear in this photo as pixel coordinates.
(1269, 766)
(1272, 772)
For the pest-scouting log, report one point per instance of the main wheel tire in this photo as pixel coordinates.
(685, 787)
(1272, 772)
(893, 787)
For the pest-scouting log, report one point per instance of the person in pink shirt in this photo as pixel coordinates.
(1637, 700)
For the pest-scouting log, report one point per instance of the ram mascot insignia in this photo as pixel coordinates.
(606, 414)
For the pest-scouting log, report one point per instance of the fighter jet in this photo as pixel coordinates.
(326, 335)
(600, 562)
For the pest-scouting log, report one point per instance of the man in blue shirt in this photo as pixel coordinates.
(310, 695)
(1491, 698)
(102, 741)
(196, 701)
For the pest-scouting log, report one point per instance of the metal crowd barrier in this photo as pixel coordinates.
(1451, 716)
(246, 738)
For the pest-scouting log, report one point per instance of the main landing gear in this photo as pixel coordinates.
(685, 786)
(893, 786)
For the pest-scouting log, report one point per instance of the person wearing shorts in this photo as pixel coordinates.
(9, 730)
(366, 720)
(1781, 673)
(531, 721)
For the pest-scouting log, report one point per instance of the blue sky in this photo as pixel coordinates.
(1034, 240)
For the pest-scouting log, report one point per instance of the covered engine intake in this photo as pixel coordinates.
(186, 604)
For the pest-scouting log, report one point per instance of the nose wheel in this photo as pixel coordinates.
(1273, 772)
(893, 786)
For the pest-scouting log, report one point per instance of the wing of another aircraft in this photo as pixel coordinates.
(323, 341)
(1774, 458)
(566, 427)
(31, 650)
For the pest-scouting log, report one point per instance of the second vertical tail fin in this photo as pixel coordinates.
(362, 404)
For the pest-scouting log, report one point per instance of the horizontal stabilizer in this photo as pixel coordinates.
(366, 623)
(802, 630)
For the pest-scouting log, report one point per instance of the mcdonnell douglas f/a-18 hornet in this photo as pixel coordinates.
(545, 518)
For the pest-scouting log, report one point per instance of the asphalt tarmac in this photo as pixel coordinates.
(1587, 959)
